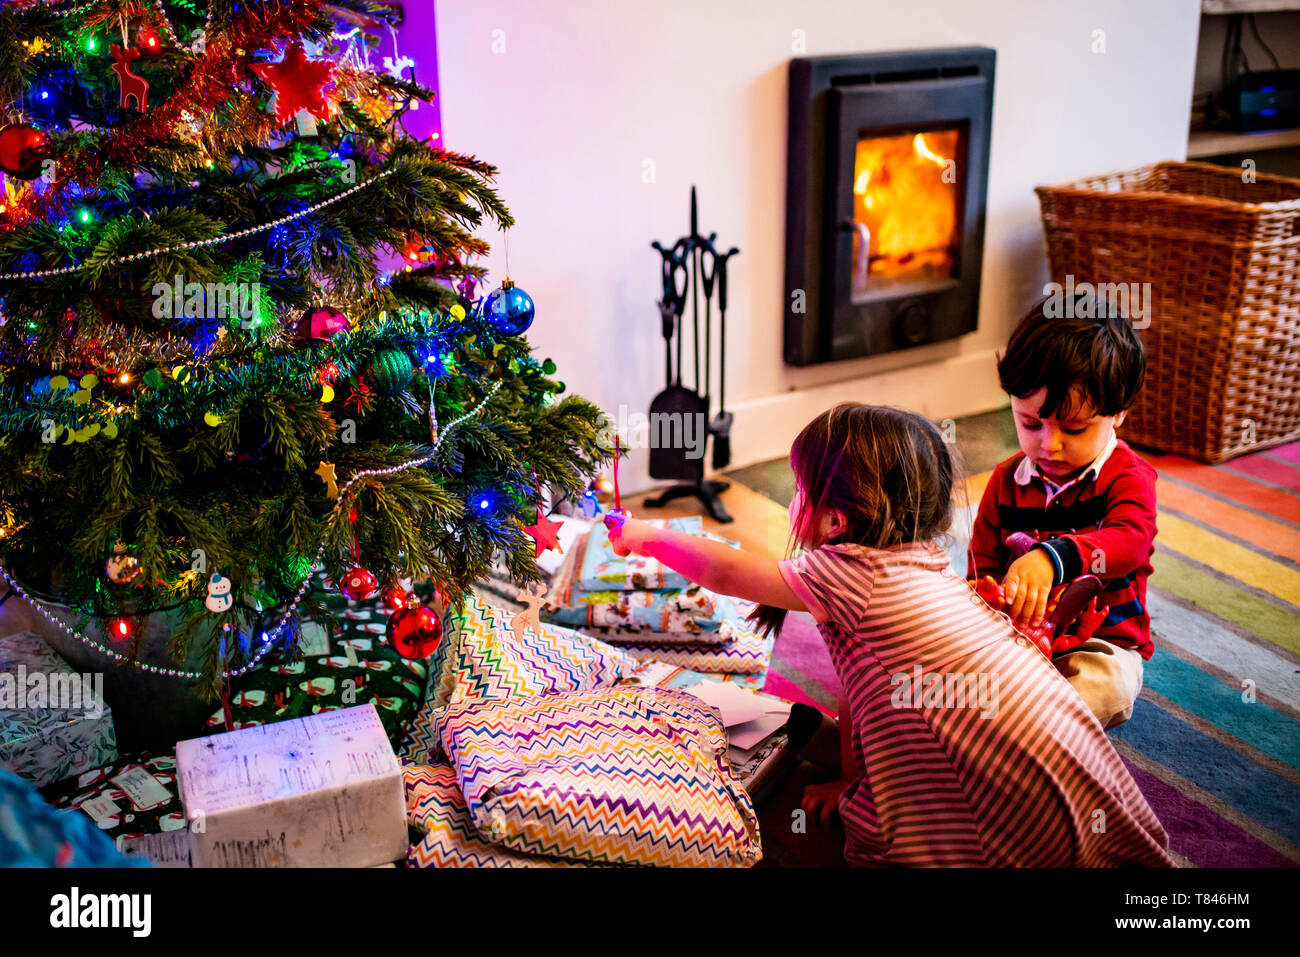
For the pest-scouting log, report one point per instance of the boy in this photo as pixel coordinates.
(1078, 498)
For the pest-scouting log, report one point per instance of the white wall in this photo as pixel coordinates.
(587, 91)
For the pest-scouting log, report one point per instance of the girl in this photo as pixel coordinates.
(964, 745)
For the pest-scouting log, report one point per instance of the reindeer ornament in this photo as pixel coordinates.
(132, 85)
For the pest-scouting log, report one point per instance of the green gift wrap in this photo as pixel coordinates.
(351, 667)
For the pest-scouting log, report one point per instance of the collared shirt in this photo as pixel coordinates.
(1026, 471)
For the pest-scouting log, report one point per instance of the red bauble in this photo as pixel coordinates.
(359, 584)
(22, 150)
(321, 323)
(394, 598)
(415, 631)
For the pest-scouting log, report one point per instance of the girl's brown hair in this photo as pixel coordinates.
(888, 470)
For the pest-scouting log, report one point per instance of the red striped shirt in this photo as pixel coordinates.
(971, 749)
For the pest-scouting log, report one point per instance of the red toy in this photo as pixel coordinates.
(1075, 603)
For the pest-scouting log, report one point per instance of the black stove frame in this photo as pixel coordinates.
(833, 102)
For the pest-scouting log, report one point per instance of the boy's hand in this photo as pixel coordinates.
(627, 534)
(820, 801)
(1028, 584)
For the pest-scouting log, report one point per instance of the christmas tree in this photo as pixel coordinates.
(209, 382)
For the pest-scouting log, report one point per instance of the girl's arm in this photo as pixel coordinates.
(719, 568)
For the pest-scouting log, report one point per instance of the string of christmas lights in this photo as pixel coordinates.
(268, 640)
(200, 243)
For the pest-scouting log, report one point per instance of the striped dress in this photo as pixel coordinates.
(971, 749)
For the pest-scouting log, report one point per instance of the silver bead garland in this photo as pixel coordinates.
(170, 33)
(200, 243)
(269, 641)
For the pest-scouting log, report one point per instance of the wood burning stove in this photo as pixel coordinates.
(885, 197)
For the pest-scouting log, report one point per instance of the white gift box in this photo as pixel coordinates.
(320, 791)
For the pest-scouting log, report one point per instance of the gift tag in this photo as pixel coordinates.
(144, 790)
(315, 639)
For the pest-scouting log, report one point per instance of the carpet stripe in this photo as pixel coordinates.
(781, 686)
(1246, 566)
(1216, 496)
(1199, 831)
(1226, 738)
(1231, 627)
(1184, 632)
(1260, 468)
(1246, 527)
(1242, 490)
(1290, 452)
(1204, 590)
(1252, 723)
(1268, 800)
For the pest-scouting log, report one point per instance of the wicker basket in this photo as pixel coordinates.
(1222, 257)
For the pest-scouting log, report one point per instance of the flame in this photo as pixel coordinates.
(901, 197)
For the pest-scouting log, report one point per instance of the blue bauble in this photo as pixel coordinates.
(509, 309)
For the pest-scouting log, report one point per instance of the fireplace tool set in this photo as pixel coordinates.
(691, 265)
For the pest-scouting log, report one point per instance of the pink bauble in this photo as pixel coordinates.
(321, 323)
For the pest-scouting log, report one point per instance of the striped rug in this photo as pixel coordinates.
(1214, 742)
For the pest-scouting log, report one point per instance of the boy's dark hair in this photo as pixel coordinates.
(888, 470)
(1102, 355)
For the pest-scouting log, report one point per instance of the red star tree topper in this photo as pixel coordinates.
(299, 84)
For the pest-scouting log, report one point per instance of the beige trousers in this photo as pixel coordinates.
(1108, 678)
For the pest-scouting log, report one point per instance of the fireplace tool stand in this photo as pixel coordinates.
(689, 265)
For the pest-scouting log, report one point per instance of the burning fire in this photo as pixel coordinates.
(901, 196)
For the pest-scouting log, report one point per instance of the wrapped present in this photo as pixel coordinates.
(351, 667)
(53, 722)
(135, 802)
(620, 775)
(33, 834)
(743, 650)
(602, 570)
(436, 810)
(483, 657)
(666, 616)
(320, 791)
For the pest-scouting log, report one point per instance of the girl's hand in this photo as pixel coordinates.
(628, 534)
(1028, 584)
(820, 801)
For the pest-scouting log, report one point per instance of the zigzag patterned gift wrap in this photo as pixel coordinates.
(621, 775)
(437, 810)
(328, 678)
(482, 658)
(670, 616)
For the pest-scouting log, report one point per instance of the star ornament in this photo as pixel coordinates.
(299, 84)
(546, 534)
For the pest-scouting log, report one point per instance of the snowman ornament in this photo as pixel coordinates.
(218, 594)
